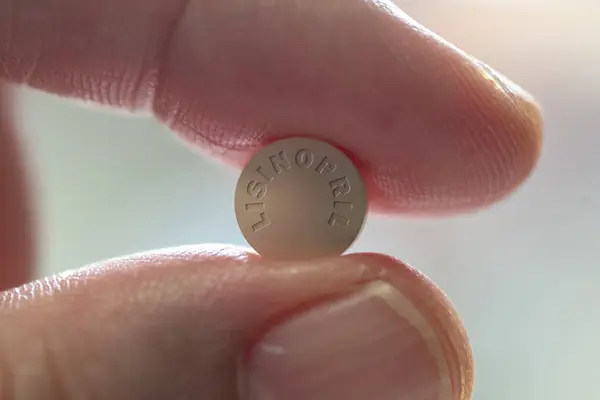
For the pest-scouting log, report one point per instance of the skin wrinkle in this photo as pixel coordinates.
(149, 78)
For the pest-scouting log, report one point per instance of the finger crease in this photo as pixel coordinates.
(164, 49)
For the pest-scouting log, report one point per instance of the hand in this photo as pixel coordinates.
(437, 132)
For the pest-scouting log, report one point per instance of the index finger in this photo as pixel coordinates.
(434, 130)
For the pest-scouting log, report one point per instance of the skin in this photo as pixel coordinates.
(433, 131)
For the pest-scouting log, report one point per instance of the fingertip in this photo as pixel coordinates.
(392, 336)
(515, 123)
(437, 309)
(475, 140)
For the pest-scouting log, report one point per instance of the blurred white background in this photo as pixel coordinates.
(523, 274)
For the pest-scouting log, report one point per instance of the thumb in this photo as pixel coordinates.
(217, 323)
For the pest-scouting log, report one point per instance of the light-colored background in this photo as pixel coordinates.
(523, 274)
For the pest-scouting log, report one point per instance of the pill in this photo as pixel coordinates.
(300, 198)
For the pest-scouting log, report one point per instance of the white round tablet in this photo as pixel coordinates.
(300, 198)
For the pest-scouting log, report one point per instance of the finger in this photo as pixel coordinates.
(16, 244)
(434, 130)
(216, 323)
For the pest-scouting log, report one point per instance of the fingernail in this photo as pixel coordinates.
(372, 344)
